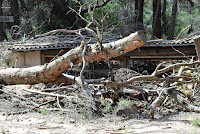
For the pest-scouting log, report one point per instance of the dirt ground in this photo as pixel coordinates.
(61, 123)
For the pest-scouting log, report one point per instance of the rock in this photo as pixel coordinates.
(131, 110)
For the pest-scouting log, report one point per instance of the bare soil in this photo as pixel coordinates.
(60, 123)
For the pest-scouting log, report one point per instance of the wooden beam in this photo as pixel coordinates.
(159, 57)
(197, 45)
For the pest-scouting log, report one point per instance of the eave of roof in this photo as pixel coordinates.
(168, 45)
(42, 47)
(73, 42)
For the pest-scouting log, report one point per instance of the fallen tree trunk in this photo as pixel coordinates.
(51, 72)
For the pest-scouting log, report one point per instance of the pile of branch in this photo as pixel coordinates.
(153, 90)
(168, 86)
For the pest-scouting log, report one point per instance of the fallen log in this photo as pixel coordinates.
(51, 72)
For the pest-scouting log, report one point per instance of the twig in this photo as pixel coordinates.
(179, 52)
(83, 83)
(176, 65)
(154, 73)
(78, 13)
(33, 108)
(21, 98)
(116, 85)
(48, 94)
(182, 32)
(139, 89)
(58, 89)
(96, 6)
(181, 101)
(58, 103)
(157, 102)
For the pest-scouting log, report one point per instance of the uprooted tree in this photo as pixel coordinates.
(52, 72)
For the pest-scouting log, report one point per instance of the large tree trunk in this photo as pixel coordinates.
(139, 4)
(2, 31)
(173, 21)
(15, 11)
(164, 19)
(51, 73)
(156, 25)
(15, 29)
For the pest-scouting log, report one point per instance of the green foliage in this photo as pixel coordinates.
(45, 15)
(44, 111)
(87, 114)
(123, 103)
(106, 105)
(61, 120)
(107, 14)
(2, 130)
(195, 132)
(195, 122)
(188, 16)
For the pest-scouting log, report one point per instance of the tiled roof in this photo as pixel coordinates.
(166, 43)
(52, 42)
(42, 46)
(72, 41)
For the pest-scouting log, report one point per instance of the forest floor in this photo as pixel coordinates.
(55, 123)
(61, 123)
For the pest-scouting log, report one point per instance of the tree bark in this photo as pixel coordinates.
(15, 30)
(51, 73)
(15, 11)
(156, 25)
(2, 31)
(139, 4)
(173, 21)
(164, 19)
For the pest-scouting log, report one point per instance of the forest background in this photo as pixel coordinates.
(157, 18)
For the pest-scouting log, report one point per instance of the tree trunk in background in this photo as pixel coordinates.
(28, 25)
(164, 19)
(156, 25)
(15, 11)
(173, 21)
(23, 5)
(139, 4)
(15, 29)
(61, 9)
(2, 31)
